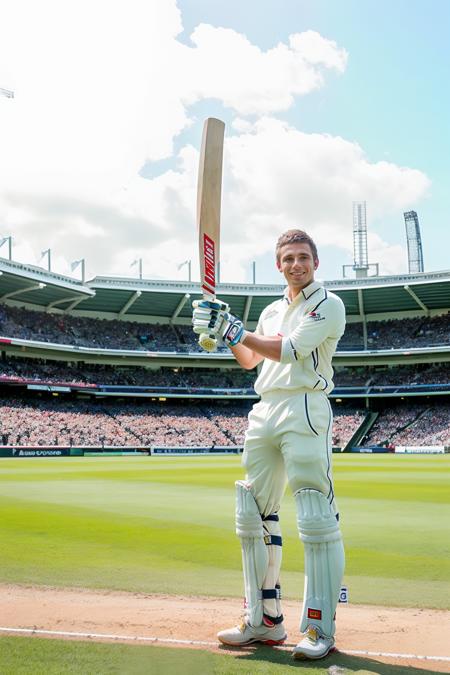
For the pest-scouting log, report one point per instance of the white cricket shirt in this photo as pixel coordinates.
(311, 326)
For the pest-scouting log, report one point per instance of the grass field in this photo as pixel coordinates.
(21, 656)
(167, 525)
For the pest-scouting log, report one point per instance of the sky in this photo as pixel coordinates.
(326, 102)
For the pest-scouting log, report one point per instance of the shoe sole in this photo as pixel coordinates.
(301, 656)
(269, 643)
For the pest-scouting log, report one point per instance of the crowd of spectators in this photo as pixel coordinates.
(41, 422)
(22, 369)
(345, 424)
(412, 424)
(26, 421)
(398, 333)
(413, 332)
(86, 331)
(432, 427)
(75, 422)
(114, 334)
(368, 376)
(68, 422)
(19, 369)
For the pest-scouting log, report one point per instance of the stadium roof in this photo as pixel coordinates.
(159, 299)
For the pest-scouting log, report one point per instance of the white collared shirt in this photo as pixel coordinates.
(311, 326)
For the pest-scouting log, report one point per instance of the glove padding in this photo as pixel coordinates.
(212, 317)
(232, 329)
(207, 316)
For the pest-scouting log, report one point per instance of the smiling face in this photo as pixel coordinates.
(297, 263)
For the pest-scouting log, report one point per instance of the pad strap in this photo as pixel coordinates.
(273, 539)
(272, 620)
(271, 593)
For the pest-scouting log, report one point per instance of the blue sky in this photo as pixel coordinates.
(393, 99)
(325, 102)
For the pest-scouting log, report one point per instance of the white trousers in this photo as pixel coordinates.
(289, 439)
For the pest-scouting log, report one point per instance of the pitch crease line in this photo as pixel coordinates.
(108, 636)
(135, 638)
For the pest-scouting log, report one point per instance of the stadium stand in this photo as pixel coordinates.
(412, 424)
(38, 370)
(114, 334)
(42, 422)
(73, 394)
(83, 373)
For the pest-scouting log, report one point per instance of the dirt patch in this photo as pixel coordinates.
(419, 632)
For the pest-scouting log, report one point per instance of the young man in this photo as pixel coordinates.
(288, 439)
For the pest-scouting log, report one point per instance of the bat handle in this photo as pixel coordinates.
(207, 342)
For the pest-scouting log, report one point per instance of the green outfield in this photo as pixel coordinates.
(166, 524)
(21, 656)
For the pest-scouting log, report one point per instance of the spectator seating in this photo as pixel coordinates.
(21, 369)
(114, 334)
(32, 421)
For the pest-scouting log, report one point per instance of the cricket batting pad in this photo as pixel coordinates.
(261, 556)
(324, 559)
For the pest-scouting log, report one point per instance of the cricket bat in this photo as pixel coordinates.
(208, 213)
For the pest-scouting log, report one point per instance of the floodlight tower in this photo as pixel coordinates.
(414, 241)
(360, 257)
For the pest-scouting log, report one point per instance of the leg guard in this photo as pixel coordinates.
(261, 558)
(324, 560)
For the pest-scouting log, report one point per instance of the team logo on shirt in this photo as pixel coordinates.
(315, 316)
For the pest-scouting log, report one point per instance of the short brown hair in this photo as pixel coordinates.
(296, 237)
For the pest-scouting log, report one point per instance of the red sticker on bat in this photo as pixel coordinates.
(209, 255)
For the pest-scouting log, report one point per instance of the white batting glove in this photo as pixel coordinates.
(232, 329)
(207, 316)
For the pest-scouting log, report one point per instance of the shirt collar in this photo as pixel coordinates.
(310, 289)
(305, 294)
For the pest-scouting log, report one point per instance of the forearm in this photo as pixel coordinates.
(245, 356)
(263, 346)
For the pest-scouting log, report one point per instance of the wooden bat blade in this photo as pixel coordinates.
(209, 194)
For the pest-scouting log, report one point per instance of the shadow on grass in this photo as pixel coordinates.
(337, 663)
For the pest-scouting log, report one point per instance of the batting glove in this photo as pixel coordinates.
(207, 316)
(233, 330)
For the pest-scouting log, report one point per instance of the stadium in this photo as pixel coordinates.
(128, 439)
(124, 350)
(227, 476)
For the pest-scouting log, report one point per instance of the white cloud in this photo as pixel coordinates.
(279, 177)
(393, 257)
(315, 49)
(103, 87)
(251, 81)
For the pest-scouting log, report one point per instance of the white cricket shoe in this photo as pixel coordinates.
(314, 645)
(245, 634)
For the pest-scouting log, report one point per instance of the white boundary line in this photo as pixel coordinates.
(136, 638)
(107, 636)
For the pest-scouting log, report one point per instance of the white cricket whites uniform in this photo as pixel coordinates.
(289, 439)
